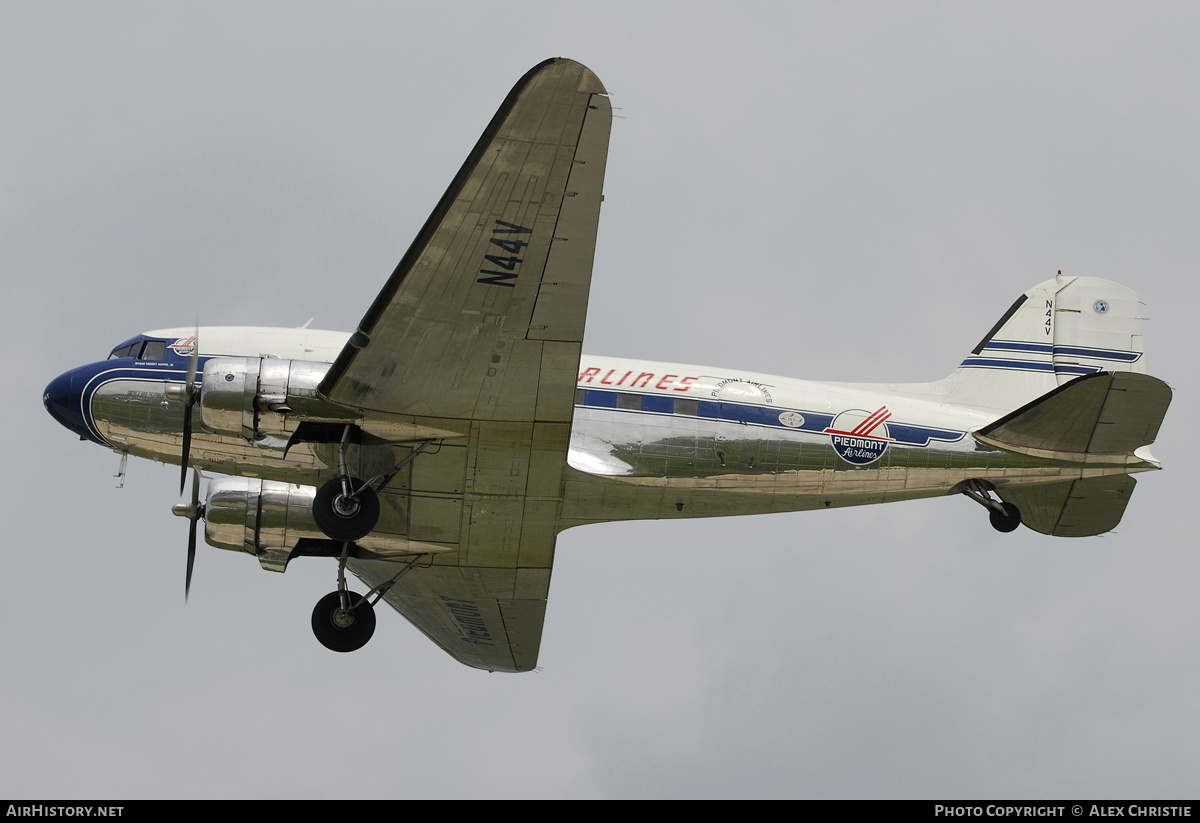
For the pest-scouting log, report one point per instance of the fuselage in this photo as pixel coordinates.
(648, 439)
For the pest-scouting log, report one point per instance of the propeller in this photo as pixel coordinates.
(190, 395)
(194, 512)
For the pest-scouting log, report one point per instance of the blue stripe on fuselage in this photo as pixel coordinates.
(87, 380)
(814, 422)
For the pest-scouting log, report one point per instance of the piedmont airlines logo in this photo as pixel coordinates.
(860, 437)
(184, 346)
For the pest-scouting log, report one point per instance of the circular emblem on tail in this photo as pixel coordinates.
(1100, 306)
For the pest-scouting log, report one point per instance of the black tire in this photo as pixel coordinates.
(1006, 522)
(345, 527)
(343, 632)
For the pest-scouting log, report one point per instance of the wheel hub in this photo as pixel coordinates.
(342, 618)
(345, 506)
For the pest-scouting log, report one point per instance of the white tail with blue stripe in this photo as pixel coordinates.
(1055, 332)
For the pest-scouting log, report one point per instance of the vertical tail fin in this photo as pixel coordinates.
(1056, 331)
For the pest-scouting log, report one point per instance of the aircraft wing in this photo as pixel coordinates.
(483, 317)
(477, 335)
(486, 618)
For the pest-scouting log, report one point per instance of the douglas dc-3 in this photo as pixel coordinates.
(439, 449)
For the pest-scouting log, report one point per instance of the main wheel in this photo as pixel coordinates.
(343, 630)
(345, 518)
(1006, 522)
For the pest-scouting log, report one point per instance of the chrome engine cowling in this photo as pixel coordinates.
(262, 399)
(265, 518)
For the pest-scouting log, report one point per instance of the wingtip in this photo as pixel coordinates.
(1143, 453)
(587, 80)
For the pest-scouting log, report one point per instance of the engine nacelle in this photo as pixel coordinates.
(263, 399)
(260, 517)
(274, 522)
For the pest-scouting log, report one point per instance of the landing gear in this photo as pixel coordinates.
(343, 621)
(346, 509)
(1005, 517)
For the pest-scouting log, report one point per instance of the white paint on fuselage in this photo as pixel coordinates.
(785, 393)
(618, 468)
(262, 341)
(918, 406)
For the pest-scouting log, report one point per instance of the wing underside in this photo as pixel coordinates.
(476, 338)
(486, 618)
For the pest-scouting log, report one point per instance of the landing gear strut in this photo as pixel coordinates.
(1004, 517)
(343, 621)
(345, 508)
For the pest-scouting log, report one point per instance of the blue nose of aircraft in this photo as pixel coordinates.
(65, 404)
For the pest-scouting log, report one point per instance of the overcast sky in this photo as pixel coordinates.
(848, 191)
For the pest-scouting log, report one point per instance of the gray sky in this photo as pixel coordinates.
(848, 191)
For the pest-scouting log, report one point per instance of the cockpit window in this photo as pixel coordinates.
(153, 350)
(141, 350)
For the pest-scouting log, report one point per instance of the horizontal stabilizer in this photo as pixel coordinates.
(1072, 508)
(1105, 413)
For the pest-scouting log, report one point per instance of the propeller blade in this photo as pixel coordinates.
(190, 395)
(194, 512)
(193, 358)
(187, 445)
(191, 558)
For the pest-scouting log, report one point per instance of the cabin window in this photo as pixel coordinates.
(629, 402)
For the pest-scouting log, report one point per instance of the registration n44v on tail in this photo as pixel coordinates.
(438, 450)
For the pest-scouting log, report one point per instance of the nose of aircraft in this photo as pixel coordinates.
(65, 404)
